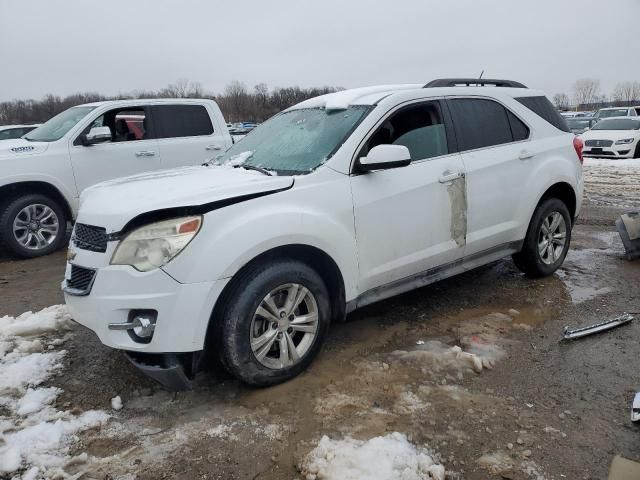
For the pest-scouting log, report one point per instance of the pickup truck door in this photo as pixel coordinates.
(410, 220)
(188, 134)
(129, 152)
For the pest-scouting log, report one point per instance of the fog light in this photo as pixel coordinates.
(144, 325)
(141, 325)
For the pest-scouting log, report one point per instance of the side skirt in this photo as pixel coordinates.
(433, 275)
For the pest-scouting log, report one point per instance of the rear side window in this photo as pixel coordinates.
(518, 129)
(542, 107)
(173, 121)
(480, 123)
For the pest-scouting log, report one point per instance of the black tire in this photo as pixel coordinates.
(8, 214)
(529, 260)
(247, 293)
(636, 154)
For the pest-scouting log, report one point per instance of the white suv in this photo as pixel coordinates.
(335, 203)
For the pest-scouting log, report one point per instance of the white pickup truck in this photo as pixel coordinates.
(43, 173)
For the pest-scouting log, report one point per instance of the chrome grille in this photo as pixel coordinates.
(598, 143)
(80, 280)
(88, 237)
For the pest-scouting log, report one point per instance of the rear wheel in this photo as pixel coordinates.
(636, 154)
(32, 225)
(547, 241)
(274, 322)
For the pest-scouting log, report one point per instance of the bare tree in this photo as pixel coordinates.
(561, 101)
(586, 91)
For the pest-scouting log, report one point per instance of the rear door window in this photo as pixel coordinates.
(518, 128)
(480, 123)
(174, 121)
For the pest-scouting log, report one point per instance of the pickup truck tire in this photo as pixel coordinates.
(32, 225)
(274, 322)
(547, 241)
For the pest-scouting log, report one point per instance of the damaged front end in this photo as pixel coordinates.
(175, 371)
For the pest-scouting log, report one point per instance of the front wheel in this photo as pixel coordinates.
(32, 225)
(274, 322)
(547, 241)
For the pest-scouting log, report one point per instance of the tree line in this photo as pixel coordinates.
(237, 102)
(587, 95)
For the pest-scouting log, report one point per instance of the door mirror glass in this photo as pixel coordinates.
(97, 135)
(383, 157)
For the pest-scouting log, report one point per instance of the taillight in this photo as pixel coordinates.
(578, 144)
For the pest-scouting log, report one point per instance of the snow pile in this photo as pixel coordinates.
(33, 434)
(438, 357)
(391, 457)
(116, 403)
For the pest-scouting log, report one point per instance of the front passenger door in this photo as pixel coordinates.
(132, 148)
(411, 219)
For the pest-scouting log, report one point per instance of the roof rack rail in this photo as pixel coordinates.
(481, 82)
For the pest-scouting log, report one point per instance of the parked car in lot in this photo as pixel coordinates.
(10, 132)
(340, 201)
(617, 112)
(617, 137)
(43, 173)
(580, 124)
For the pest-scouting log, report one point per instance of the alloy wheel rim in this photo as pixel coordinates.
(552, 238)
(36, 226)
(284, 326)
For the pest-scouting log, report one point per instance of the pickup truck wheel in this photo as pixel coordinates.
(32, 225)
(547, 241)
(274, 322)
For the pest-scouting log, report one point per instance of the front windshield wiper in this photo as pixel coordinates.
(253, 167)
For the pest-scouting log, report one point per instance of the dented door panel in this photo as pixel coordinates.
(409, 220)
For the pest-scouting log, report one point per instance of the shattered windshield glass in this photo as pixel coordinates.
(294, 142)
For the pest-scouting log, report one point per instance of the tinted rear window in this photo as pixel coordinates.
(542, 107)
(480, 123)
(181, 121)
(519, 130)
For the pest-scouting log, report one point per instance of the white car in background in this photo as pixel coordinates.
(617, 112)
(10, 132)
(617, 137)
(338, 202)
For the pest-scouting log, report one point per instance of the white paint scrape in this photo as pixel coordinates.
(34, 436)
(391, 457)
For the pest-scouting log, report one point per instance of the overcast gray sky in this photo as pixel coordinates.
(111, 46)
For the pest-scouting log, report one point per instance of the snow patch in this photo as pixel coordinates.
(116, 403)
(35, 436)
(391, 457)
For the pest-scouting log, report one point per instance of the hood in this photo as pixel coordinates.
(19, 147)
(115, 203)
(609, 134)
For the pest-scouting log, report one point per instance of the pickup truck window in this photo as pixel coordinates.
(174, 121)
(126, 124)
(295, 142)
(58, 126)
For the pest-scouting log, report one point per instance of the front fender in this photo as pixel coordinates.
(319, 215)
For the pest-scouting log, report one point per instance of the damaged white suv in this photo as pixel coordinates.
(335, 203)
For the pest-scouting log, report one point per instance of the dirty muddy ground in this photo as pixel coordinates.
(534, 408)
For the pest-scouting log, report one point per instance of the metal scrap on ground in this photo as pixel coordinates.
(596, 328)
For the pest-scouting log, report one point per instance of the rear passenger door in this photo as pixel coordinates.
(186, 134)
(495, 149)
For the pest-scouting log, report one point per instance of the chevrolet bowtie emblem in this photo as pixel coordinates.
(70, 255)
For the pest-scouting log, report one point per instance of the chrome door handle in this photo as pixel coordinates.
(213, 147)
(449, 177)
(145, 153)
(525, 155)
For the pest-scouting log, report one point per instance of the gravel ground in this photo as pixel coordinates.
(544, 409)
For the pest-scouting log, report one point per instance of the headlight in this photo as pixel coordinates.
(154, 245)
(624, 141)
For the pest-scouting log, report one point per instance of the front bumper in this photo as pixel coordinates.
(614, 151)
(183, 310)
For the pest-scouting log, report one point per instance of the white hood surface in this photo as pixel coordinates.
(113, 203)
(19, 147)
(610, 134)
